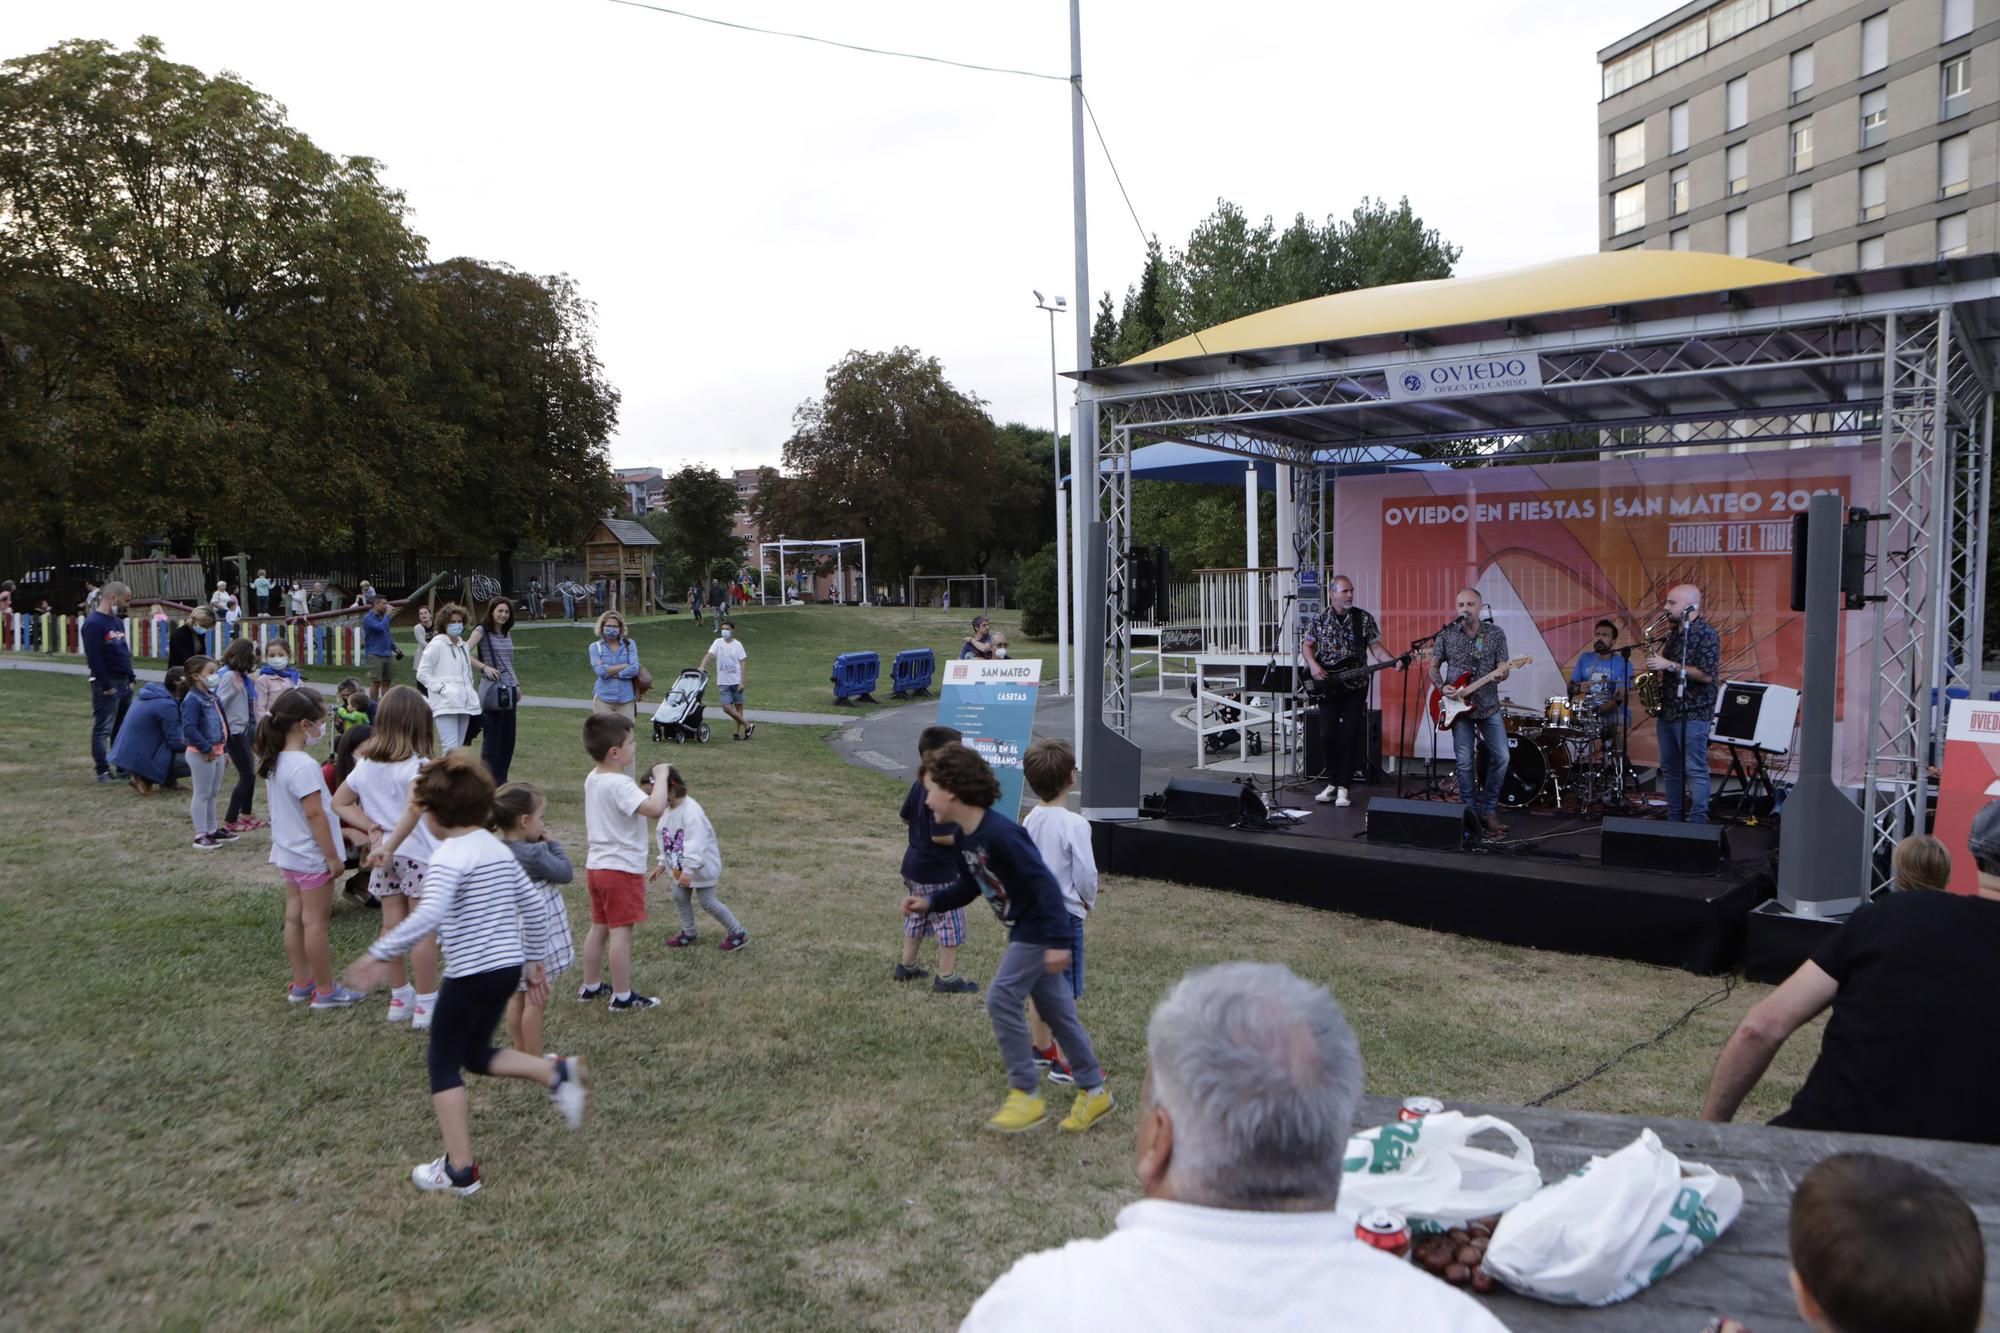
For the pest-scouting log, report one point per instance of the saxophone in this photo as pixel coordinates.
(1651, 686)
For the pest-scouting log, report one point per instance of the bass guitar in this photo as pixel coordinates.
(1342, 679)
(1445, 711)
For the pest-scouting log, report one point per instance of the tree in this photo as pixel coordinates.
(894, 452)
(701, 519)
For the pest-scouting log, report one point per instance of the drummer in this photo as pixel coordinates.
(1603, 677)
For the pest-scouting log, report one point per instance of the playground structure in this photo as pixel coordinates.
(806, 569)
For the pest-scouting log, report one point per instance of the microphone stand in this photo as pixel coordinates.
(1624, 757)
(1403, 715)
(1680, 706)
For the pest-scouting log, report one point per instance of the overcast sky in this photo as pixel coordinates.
(744, 209)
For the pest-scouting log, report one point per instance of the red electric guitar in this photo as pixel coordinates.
(1445, 711)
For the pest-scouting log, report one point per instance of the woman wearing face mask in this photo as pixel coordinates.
(445, 672)
(614, 661)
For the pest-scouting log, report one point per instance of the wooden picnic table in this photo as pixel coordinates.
(1743, 1275)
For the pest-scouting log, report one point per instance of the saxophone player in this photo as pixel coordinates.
(1689, 662)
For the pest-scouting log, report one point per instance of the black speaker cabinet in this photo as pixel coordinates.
(1416, 823)
(1682, 849)
(1214, 802)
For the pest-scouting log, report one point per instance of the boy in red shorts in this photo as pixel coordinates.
(615, 811)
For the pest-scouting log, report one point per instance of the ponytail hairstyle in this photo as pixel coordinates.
(176, 682)
(677, 786)
(514, 803)
(404, 728)
(240, 656)
(294, 706)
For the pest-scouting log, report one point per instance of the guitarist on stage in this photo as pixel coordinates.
(1341, 637)
(1471, 647)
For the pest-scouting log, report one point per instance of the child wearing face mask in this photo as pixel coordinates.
(273, 678)
(205, 735)
(305, 842)
(728, 655)
(445, 672)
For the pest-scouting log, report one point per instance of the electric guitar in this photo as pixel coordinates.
(1347, 678)
(1445, 711)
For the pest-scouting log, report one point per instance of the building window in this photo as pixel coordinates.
(1875, 43)
(1628, 149)
(1628, 209)
(1957, 18)
(1874, 117)
(1738, 224)
(1799, 203)
(1781, 6)
(1737, 93)
(1951, 236)
(1802, 75)
(1802, 148)
(1681, 45)
(1871, 253)
(1957, 90)
(1735, 17)
(1874, 192)
(1622, 73)
(1678, 194)
(1677, 239)
(1736, 169)
(1677, 128)
(1954, 166)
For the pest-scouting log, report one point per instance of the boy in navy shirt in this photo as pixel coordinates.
(930, 866)
(998, 861)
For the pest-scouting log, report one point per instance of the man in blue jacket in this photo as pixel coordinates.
(379, 646)
(110, 660)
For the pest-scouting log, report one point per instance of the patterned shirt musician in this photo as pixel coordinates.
(1459, 653)
(1342, 639)
(1704, 654)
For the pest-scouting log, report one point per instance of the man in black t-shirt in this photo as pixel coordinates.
(1911, 1048)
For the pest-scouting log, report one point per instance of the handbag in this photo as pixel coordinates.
(642, 682)
(494, 697)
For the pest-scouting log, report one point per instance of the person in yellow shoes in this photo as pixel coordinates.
(998, 861)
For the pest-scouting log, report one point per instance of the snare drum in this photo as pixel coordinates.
(1557, 711)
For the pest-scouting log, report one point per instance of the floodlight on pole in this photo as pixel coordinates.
(1056, 306)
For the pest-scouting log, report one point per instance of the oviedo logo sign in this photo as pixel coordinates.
(1456, 379)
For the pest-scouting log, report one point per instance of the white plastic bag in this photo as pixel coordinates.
(1425, 1170)
(1614, 1228)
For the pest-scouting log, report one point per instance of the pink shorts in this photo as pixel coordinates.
(306, 882)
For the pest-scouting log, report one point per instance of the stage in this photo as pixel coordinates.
(1542, 886)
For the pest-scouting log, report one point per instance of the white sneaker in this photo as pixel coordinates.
(572, 1095)
(1327, 795)
(400, 1009)
(433, 1177)
(420, 1015)
(1341, 799)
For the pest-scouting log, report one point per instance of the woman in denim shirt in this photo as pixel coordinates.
(614, 661)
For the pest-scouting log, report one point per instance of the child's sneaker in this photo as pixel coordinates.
(224, 833)
(1021, 1110)
(1059, 1070)
(903, 973)
(954, 986)
(337, 998)
(633, 1003)
(684, 940)
(1043, 1059)
(571, 1093)
(735, 942)
(592, 994)
(1089, 1108)
(436, 1176)
(298, 994)
(206, 842)
(401, 1008)
(420, 1014)
(749, 730)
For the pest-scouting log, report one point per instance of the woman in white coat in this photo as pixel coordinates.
(445, 672)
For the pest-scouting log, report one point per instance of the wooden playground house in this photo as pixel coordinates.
(621, 553)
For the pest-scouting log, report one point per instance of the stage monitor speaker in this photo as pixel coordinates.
(1416, 823)
(1226, 803)
(1682, 849)
(1751, 713)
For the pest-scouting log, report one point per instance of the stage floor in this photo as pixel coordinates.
(1542, 886)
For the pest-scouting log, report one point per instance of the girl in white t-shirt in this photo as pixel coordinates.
(305, 842)
(376, 800)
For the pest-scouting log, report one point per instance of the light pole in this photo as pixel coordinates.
(1059, 306)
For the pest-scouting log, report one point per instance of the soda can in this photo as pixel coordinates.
(1385, 1231)
(1416, 1108)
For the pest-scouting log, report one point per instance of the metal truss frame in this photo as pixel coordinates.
(1779, 374)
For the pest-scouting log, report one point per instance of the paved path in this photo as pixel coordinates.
(759, 715)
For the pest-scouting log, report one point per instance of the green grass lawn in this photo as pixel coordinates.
(792, 1141)
(791, 650)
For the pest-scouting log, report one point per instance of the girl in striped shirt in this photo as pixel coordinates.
(493, 924)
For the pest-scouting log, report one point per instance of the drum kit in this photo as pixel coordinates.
(1562, 756)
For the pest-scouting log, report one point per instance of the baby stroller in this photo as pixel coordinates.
(678, 717)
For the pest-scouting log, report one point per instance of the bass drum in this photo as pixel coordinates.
(1534, 772)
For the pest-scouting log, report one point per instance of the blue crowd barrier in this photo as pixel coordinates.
(911, 672)
(854, 676)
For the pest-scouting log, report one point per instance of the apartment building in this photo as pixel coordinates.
(645, 488)
(1827, 133)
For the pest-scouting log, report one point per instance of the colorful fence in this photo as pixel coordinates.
(314, 641)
